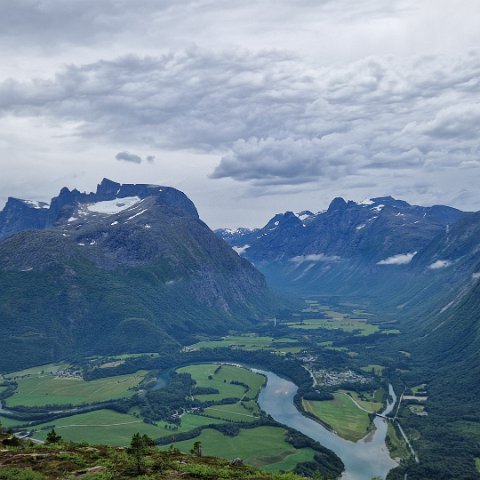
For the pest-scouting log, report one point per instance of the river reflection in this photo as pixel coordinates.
(363, 460)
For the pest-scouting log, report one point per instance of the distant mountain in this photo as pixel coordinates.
(345, 247)
(129, 268)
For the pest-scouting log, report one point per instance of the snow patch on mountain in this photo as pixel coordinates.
(447, 306)
(137, 214)
(35, 204)
(111, 207)
(302, 216)
(399, 259)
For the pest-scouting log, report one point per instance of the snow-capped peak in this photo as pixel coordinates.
(35, 204)
(111, 207)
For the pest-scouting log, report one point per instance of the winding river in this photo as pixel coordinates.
(363, 460)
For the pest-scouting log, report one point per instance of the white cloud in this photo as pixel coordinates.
(314, 258)
(241, 250)
(400, 259)
(437, 265)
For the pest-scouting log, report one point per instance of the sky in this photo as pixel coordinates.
(251, 108)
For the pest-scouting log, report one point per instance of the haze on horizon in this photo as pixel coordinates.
(251, 108)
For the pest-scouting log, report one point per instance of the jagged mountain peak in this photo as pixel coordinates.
(18, 215)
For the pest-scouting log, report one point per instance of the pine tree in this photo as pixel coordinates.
(52, 437)
(139, 446)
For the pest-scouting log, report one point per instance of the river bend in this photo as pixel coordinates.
(363, 460)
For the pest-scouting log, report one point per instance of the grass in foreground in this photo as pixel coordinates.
(42, 390)
(262, 446)
(342, 415)
(70, 461)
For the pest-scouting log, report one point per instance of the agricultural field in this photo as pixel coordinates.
(251, 342)
(263, 447)
(342, 415)
(112, 428)
(38, 389)
(340, 322)
(419, 389)
(219, 377)
(9, 422)
(373, 403)
(237, 412)
(50, 368)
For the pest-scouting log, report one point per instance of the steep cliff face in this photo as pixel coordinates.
(21, 215)
(142, 263)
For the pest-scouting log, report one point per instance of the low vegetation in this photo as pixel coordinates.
(141, 460)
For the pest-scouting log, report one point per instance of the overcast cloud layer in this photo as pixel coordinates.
(277, 106)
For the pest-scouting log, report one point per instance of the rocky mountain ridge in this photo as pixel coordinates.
(337, 248)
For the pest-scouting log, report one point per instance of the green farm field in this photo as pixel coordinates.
(237, 412)
(264, 447)
(205, 376)
(49, 368)
(112, 428)
(41, 390)
(345, 324)
(251, 342)
(342, 415)
(373, 403)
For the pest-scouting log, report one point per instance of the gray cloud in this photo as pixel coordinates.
(133, 158)
(128, 157)
(55, 23)
(272, 118)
